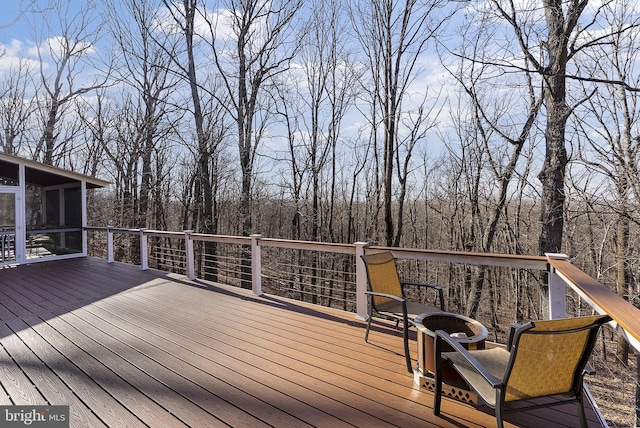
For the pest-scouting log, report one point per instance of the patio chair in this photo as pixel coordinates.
(387, 296)
(542, 359)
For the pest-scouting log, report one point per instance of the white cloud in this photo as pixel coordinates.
(217, 21)
(12, 56)
(58, 47)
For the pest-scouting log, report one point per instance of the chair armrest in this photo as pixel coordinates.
(435, 287)
(402, 300)
(443, 335)
(422, 284)
(512, 331)
(390, 296)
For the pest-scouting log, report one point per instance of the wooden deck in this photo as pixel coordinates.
(124, 347)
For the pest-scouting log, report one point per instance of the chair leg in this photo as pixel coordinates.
(499, 408)
(405, 333)
(366, 334)
(581, 414)
(437, 377)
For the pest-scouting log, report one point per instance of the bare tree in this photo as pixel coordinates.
(261, 47)
(208, 106)
(550, 37)
(122, 152)
(610, 143)
(97, 118)
(494, 135)
(312, 107)
(144, 66)
(16, 107)
(67, 67)
(324, 91)
(184, 17)
(394, 35)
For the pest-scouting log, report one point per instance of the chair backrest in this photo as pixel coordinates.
(548, 357)
(382, 274)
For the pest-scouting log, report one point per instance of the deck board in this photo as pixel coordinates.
(31, 355)
(17, 388)
(119, 338)
(106, 392)
(274, 371)
(128, 348)
(221, 346)
(155, 398)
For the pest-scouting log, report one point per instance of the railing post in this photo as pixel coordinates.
(110, 258)
(557, 290)
(144, 257)
(256, 265)
(83, 215)
(361, 283)
(188, 250)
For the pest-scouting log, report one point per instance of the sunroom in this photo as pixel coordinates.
(42, 211)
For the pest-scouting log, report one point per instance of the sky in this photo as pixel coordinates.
(20, 24)
(12, 14)
(14, 31)
(17, 41)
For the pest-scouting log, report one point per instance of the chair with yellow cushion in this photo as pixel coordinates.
(387, 296)
(543, 358)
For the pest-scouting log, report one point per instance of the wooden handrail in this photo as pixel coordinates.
(331, 247)
(602, 299)
(516, 261)
(224, 239)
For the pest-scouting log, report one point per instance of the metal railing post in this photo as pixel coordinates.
(256, 265)
(361, 283)
(144, 257)
(189, 260)
(110, 258)
(557, 290)
(83, 215)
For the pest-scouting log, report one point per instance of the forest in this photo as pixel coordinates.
(483, 125)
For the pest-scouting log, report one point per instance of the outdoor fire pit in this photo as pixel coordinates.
(470, 333)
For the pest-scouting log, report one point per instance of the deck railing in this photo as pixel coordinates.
(561, 273)
(315, 271)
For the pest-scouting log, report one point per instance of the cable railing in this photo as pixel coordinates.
(332, 274)
(247, 257)
(322, 278)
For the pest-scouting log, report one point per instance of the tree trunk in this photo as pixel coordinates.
(49, 137)
(622, 275)
(205, 211)
(553, 170)
(388, 182)
(552, 176)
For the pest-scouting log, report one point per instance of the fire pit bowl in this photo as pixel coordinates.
(468, 332)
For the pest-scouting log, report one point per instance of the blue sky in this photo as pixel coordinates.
(17, 40)
(16, 36)
(13, 24)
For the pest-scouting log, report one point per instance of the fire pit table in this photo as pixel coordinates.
(470, 333)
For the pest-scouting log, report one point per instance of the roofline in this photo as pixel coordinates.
(97, 182)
